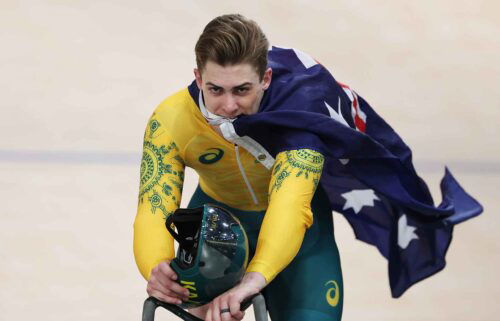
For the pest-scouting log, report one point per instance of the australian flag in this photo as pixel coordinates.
(368, 173)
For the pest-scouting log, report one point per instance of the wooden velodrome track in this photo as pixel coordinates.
(79, 80)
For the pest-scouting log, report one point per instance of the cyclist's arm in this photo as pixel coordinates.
(295, 177)
(162, 176)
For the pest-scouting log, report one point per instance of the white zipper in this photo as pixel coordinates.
(242, 170)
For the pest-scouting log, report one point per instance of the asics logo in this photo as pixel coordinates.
(333, 293)
(213, 155)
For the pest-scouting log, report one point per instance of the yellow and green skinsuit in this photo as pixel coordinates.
(177, 135)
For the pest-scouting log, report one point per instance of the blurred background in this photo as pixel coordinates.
(79, 80)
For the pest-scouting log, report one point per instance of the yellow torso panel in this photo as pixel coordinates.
(212, 157)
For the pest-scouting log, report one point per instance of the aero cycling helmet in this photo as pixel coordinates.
(213, 251)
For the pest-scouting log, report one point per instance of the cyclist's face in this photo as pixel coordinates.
(232, 90)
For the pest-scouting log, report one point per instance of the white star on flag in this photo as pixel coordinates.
(344, 161)
(337, 116)
(357, 198)
(406, 233)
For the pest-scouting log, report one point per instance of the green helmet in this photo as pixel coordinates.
(213, 251)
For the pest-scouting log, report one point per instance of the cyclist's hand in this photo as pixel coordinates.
(163, 286)
(226, 307)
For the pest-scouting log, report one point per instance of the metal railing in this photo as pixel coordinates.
(150, 305)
